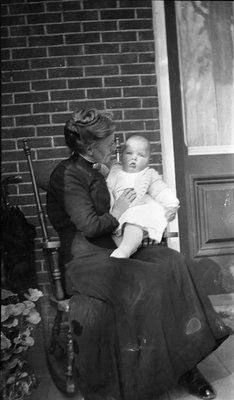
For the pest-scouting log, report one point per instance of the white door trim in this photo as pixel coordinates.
(164, 107)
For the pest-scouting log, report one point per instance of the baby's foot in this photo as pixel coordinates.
(117, 253)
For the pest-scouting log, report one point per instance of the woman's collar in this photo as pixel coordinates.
(87, 158)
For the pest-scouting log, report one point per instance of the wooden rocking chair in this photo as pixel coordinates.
(63, 374)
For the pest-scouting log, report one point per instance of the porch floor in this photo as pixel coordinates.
(218, 368)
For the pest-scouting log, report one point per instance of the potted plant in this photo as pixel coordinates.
(18, 321)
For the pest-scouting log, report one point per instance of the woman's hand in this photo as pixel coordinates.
(123, 202)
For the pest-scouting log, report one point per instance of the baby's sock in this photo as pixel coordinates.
(117, 253)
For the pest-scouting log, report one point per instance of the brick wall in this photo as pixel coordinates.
(60, 55)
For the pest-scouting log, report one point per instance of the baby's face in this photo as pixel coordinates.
(136, 155)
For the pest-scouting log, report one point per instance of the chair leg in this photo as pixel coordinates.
(55, 330)
(70, 360)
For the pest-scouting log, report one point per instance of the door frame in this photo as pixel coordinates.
(165, 113)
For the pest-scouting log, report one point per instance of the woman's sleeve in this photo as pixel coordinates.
(81, 210)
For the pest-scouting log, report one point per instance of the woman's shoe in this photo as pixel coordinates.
(197, 385)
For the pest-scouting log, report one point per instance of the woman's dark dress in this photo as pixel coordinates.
(138, 323)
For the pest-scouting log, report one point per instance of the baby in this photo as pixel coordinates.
(155, 203)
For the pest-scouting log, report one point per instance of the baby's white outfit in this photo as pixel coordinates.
(153, 199)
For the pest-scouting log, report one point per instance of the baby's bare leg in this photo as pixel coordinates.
(117, 239)
(132, 238)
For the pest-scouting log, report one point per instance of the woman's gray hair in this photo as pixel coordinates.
(87, 126)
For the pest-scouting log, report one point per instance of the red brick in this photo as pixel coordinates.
(26, 8)
(83, 61)
(147, 57)
(150, 102)
(66, 6)
(7, 98)
(31, 97)
(14, 65)
(135, 4)
(49, 107)
(141, 114)
(85, 83)
(81, 16)
(65, 50)
(27, 30)
(46, 40)
(137, 69)
(9, 168)
(103, 93)
(29, 75)
(99, 104)
(6, 77)
(148, 80)
(135, 24)
(11, 20)
(67, 95)
(50, 130)
(82, 38)
(4, 10)
(140, 91)
(5, 54)
(52, 84)
(96, 4)
(130, 126)
(8, 145)
(32, 52)
(15, 87)
(53, 153)
(119, 37)
(117, 14)
(120, 59)
(48, 63)
(152, 125)
(13, 133)
(99, 26)
(138, 47)
(101, 48)
(13, 42)
(146, 35)
(4, 30)
(33, 120)
(144, 13)
(7, 122)
(45, 18)
(42, 277)
(122, 81)
(59, 141)
(16, 109)
(65, 72)
(102, 70)
(124, 103)
(36, 142)
(64, 27)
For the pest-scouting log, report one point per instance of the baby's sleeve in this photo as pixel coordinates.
(161, 192)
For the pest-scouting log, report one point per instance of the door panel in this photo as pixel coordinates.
(204, 159)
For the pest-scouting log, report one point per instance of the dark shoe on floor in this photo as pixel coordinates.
(197, 385)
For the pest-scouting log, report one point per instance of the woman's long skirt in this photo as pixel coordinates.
(138, 324)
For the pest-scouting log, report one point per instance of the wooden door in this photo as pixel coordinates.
(200, 55)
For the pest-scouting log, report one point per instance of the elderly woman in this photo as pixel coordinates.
(145, 323)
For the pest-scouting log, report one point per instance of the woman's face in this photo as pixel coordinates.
(103, 150)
